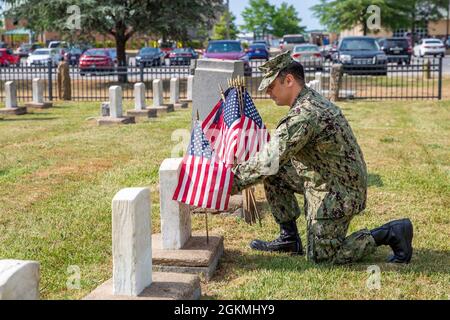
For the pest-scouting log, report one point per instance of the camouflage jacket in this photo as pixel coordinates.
(316, 139)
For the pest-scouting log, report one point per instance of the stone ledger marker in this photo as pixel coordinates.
(133, 278)
(190, 85)
(132, 250)
(11, 106)
(175, 94)
(158, 99)
(175, 216)
(140, 109)
(175, 249)
(38, 95)
(19, 280)
(208, 75)
(115, 109)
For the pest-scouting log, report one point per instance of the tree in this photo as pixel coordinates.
(339, 15)
(418, 13)
(258, 16)
(286, 21)
(119, 18)
(220, 29)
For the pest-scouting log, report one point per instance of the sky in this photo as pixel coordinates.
(302, 7)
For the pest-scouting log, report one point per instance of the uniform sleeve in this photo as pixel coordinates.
(291, 135)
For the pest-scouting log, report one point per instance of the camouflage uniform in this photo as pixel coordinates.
(320, 158)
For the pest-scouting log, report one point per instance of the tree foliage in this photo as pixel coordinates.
(263, 18)
(220, 28)
(339, 15)
(119, 18)
(286, 21)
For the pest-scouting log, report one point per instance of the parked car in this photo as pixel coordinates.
(26, 48)
(397, 49)
(72, 56)
(42, 56)
(8, 58)
(309, 56)
(264, 42)
(432, 47)
(258, 51)
(167, 48)
(361, 56)
(96, 61)
(182, 56)
(290, 41)
(228, 50)
(150, 57)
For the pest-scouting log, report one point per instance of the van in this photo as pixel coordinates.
(290, 41)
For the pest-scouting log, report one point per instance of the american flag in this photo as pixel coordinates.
(204, 180)
(235, 136)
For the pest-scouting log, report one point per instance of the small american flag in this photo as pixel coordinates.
(204, 180)
(234, 136)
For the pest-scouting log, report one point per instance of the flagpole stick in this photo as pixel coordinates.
(206, 222)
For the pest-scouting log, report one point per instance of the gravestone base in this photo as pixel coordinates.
(39, 105)
(146, 113)
(165, 108)
(16, 111)
(165, 286)
(196, 256)
(180, 104)
(108, 121)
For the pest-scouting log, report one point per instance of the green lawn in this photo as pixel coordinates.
(59, 173)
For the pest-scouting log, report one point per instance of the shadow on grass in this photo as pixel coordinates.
(374, 180)
(424, 262)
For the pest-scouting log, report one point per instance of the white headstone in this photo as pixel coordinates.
(208, 75)
(10, 94)
(38, 90)
(115, 101)
(158, 93)
(132, 245)
(318, 77)
(313, 84)
(19, 280)
(175, 216)
(139, 96)
(190, 85)
(174, 90)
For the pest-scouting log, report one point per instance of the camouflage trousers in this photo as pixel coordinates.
(326, 236)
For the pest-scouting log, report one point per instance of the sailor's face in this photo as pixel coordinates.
(277, 92)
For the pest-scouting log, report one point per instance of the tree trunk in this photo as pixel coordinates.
(121, 41)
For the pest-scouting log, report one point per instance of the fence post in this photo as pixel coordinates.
(49, 80)
(440, 80)
(141, 71)
(336, 81)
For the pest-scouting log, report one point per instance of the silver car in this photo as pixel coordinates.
(309, 56)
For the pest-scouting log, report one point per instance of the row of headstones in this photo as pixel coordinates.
(11, 104)
(112, 111)
(131, 242)
(131, 248)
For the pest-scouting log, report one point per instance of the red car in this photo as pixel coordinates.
(7, 58)
(96, 60)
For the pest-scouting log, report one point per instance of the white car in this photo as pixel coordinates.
(309, 56)
(42, 56)
(432, 47)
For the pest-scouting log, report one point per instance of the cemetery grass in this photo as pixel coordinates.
(59, 173)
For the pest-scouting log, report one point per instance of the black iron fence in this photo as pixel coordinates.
(419, 79)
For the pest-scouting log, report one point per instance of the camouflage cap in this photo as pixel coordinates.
(272, 68)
